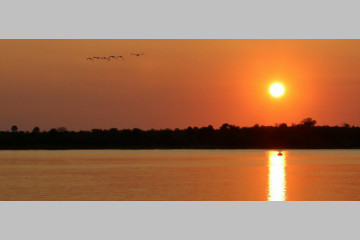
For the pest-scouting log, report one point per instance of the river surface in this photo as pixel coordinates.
(180, 175)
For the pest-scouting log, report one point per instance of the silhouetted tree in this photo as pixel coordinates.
(210, 127)
(233, 127)
(95, 130)
(280, 136)
(36, 130)
(113, 130)
(224, 127)
(308, 122)
(53, 130)
(14, 128)
(61, 129)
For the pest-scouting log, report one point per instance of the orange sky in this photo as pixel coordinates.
(177, 83)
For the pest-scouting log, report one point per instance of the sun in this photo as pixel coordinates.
(276, 90)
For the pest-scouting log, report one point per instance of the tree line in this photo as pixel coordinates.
(305, 135)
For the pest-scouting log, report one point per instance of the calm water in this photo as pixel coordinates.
(180, 175)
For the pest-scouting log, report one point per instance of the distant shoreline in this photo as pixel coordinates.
(305, 135)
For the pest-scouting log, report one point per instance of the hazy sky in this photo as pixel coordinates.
(177, 83)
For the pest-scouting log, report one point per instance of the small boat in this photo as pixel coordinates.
(279, 153)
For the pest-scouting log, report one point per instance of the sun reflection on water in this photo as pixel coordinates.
(277, 181)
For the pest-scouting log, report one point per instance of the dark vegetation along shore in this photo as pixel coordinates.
(305, 135)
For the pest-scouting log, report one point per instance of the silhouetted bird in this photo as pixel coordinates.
(90, 59)
(103, 58)
(120, 57)
(111, 57)
(137, 54)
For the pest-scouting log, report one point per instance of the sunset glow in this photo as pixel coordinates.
(176, 83)
(277, 90)
(277, 181)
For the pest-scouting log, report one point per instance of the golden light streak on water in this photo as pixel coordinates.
(277, 180)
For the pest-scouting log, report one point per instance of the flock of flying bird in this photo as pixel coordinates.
(115, 57)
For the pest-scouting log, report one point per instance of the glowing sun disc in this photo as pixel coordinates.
(277, 90)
